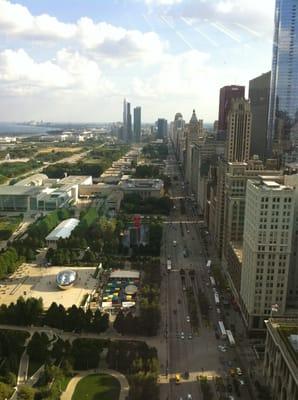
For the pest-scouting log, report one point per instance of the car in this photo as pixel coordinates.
(231, 397)
(189, 396)
(241, 381)
(190, 336)
(230, 388)
(174, 243)
(182, 335)
(186, 375)
(188, 318)
(177, 335)
(187, 231)
(239, 371)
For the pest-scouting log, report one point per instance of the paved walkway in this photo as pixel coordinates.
(124, 387)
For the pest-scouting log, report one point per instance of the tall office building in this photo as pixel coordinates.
(259, 92)
(162, 128)
(137, 124)
(127, 126)
(268, 227)
(283, 108)
(227, 93)
(238, 131)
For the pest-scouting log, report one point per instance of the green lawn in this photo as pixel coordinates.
(97, 387)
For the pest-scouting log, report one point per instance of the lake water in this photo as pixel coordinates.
(11, 129)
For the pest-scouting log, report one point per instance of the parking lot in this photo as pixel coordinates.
(31, 280)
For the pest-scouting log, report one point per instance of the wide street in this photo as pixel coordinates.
(189, 352)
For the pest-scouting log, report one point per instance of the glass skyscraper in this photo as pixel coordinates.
(282, 135)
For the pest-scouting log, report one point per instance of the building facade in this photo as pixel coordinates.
(127, 126)
(283, 116)
(280, 361)
(227, 93)
(239, 131)
(259, 92)
(137, 124)
(267, 243)
(162, 128)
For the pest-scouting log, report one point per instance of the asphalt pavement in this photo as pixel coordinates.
(189, 352)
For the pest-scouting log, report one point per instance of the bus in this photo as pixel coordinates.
(222, 330)
(212, 280)
(230, 337)
(208, 265)
(177, 379)
(169, 265)
(216, 299)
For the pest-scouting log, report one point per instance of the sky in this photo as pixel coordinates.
(75, 60)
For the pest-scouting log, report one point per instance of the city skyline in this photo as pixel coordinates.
(76, 65)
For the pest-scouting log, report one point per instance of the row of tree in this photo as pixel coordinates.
(134, 204)
(139, 363)
(156, 151)
(148, 320)
(31, 312)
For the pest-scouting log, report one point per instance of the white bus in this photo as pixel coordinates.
(208, 265)
(222, 329)
(230, 337)
(212, 280)
(169, 265)
(216, 299)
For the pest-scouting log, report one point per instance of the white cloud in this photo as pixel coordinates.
(162, 2)
(68, 72)
(254, 14)
(112, 41)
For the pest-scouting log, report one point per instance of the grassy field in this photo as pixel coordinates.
(59, 149)
(97, 387)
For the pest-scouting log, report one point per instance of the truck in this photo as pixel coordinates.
(169, 265)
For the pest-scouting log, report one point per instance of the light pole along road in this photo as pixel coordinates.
(189, 352)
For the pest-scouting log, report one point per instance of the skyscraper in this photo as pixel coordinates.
(282, 133)
(238, 131)
(259, 92)
(127, 126)
(162, 128)
(124, 130)
(137, 124)
(227, 93)
(268, 227)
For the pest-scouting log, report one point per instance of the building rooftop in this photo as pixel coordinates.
(63, 230)
(121, 273)
(19, 190)
(285, 331)
(76, 180)
(141, 183)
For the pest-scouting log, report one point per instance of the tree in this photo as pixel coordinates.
(26, 393)
(38, 347)
(5, 391)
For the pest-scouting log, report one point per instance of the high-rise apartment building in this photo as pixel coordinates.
(227, 93)
(162, 128)
(259, 92)
(268, 227)
(283, 109)
(238, 131)
(127, 127)
(137, 124)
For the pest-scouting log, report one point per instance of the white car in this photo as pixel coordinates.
(189, 396)
(239, 371)
(188, 318)
(174, 243)
(182, 335)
